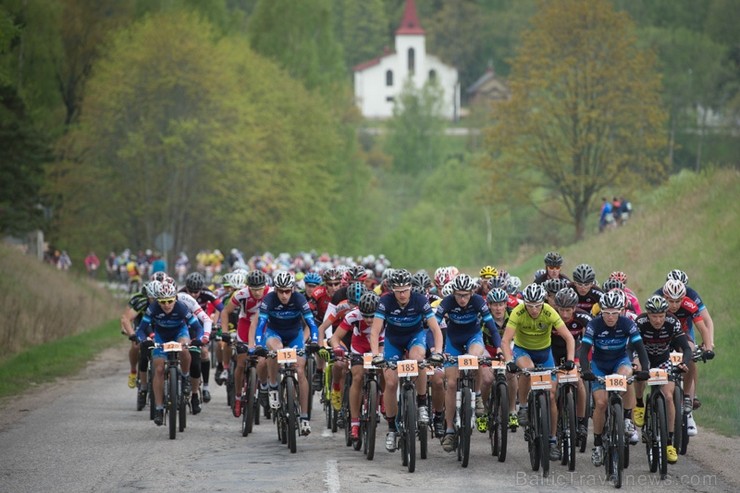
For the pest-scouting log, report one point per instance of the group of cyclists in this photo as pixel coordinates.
(341, 312)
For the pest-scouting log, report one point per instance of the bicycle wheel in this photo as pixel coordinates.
(499, 426)
(589, 410)
(290, 413)
(410, 429)
(230, 388)
(531, 433)
(248, 400)
(465, 431)
(372, 419)
(615, 450)
(310, 371)
(345, 409)
(661, 436)
(182, 406)
(569, 437)
(172, 401)
(543, 417)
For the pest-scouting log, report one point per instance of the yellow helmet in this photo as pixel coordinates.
(488, 272)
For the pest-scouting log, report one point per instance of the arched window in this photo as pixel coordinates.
(411, 60)
(432, 75)
(389, 78)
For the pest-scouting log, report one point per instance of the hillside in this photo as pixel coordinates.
(42, 304)
(693, 224)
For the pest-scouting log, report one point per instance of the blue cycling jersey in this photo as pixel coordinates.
(610, 343)
(464, 322)
(401, 323)
(167, 325)
(286, 319)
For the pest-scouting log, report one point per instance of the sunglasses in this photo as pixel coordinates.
(463, 295)
(368, 317)
(611, 313)
(167, 301)
(284, 291)
(333, 284)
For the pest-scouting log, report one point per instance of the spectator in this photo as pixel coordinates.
(111, 267)
(92, 262)
(606, 219)
(64, 262)
(159, 264)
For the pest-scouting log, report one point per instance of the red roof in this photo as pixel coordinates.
(410, 23)
(374, 61)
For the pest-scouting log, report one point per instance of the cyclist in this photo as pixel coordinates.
(683, 308)
(486, 274)
(584, 283)
(530, 326)
(403, 313)
(138, 359)
(246, 301)
(280, 324)
(357, 324)
(631, 296)
(167, 320)
(464, 309)
(660, 332)
(497, 300)
(553, 264)
(576, 319)
(322, 296)
(608, 334)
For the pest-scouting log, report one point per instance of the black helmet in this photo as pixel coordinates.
(423, 279)
(656, 304)
(256, 279)
(613, 299)
(584, 274)
(552, 286)
(283, 279)
(355, 292)
(400, 277)
(462, 282)
(369, 303)
(553, 259)
(195, 282)
(566, 298)
(610, 284)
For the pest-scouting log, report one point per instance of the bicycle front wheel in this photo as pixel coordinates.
(465, 431)
(543, 419)
(661, 436)
(410, 429)
(371, 419)
(615, 450)
(172, 401)
(568, 437)
(499, 424)
(290, 414)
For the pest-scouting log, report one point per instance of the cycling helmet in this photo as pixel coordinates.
(488, 272)
(158, 276)
(332, 274)
(539, 273)
(241, 270)
(423, 278)
(441, 276)
(166, 291)
(227, 279)
(357, 273)
(674, 289)
(462, 282)
(613, 299)
(238, 280)
(515, 282)
(566, 298)
(312, 278)
(416, 287)
(619, 276)
(553, 259)
(152, 288)
(452, 272)
(447, 289)
(369, 303)
(355, 291)
(534, 293)
(497, 295)
(610, 284)
(256, 279)
(678, 275)
(656, 304)
(584, 274)
(195, 282)
(552, 286)
(283, 279)
(400, 277)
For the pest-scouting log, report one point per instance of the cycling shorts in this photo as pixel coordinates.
(182, 334)
(602, 371)
(542, 358)
(296, 342)
(394, 353)
(454, 351)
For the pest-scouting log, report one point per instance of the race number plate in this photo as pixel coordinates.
(676, 358)
(168, 347)
(541, 380)
(616, 383)
(287, 355)
(568, 376)
(497, 364)
(408, 368)
(367, 361)
(467, 362)
(658, 376)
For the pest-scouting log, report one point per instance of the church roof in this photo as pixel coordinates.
(410, 22)
(375, 61)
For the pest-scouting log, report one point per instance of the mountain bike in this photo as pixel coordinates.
(249, 402)
(310, 372)
(329, 412)
(583, 439)
(614, 438)
(286, 416)
(344, 411)
(537, 430)
(565, 398)
(369, 407)
(655, 429)
(174, 400)
(682, 442)
(467, 365)
(498, 411)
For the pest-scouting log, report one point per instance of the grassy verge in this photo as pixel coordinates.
(60, 358)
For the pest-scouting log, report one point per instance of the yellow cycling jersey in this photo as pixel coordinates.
(532, 333)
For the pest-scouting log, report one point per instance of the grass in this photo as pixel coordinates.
(692, 223)
(56, 359)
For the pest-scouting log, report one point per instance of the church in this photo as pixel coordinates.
(378, 82)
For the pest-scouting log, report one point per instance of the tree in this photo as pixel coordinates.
(416, 131)
(585, 112)
(362, 30)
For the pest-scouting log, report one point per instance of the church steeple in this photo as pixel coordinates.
(410, 22)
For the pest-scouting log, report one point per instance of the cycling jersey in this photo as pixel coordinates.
(576, 326)
(355, 325)
(587, 301)
(287, 319)
(659, 342)
(610, 343)
(403, 323)
(168, 325)
(138, 303)
(687, 313)
(247, 305)
(201, 315)
(465, 322)
(532, 333)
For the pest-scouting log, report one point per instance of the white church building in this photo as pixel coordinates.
(379, 81)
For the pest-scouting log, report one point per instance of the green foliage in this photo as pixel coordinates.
(416, 129)
(362, 29)
(585, 111)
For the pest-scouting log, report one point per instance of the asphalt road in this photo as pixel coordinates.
(84, 435)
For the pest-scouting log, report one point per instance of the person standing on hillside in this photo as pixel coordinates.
(92, 262)
(606, 217)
